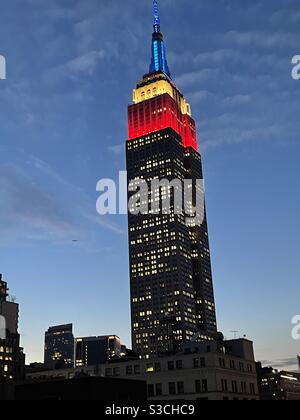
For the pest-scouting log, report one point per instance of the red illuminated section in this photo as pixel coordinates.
(159, 113)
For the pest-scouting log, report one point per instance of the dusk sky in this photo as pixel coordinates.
(71, 68)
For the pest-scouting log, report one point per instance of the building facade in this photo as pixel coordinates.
(275, 385)
(12, 358)
(211, 370)
(92, 351)
(219, 370)
(172, 296)
(59, 346)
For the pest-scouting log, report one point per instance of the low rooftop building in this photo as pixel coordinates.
(212, 370)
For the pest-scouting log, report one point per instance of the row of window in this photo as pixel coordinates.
(175, 388)
(236, 389)
(232, 365)
(200, 387)
(5, 349)
(198, 363)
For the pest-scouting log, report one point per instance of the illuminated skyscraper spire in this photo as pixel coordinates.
(159, 61)
(156, 16)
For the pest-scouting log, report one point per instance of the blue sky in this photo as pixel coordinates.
(71, 67)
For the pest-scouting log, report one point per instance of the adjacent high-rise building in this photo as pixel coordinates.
(12, 358)
(172, 297)
(59, 346)
(91, 351)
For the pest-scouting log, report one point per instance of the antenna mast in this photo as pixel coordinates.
(156, 16)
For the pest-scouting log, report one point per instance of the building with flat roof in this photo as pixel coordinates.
(59, 346)
(212, 370)
(12, 358)
(91, 351)
(275, 385)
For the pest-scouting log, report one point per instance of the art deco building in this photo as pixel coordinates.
(172, 297)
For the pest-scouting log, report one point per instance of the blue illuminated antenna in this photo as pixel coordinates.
(156, 16)
(159, 60)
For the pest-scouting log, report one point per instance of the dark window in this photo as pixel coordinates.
(137, 369)
(172, 388)
(198, 387)
(117, 371)
(244, 387)
(170, 365)
(179, 364)
(204, 385)
(180, 387)
(252, 389)
(129, 370)
(224, 385)
(157, 367)
(158, 388)
(150, 391)
(222, 363)
(108, 372)
(234, 387)
(199, 363)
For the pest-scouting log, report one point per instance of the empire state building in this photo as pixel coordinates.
(172, 296)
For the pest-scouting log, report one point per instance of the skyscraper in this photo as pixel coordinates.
(172, 297)
(91, 351)
(12, 358)
(59, 346)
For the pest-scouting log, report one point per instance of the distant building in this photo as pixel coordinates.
(277, 385)
(91, 351)
(12, 358)
(212, 370)
(59, 346)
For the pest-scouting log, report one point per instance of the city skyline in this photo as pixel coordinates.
(69, 130)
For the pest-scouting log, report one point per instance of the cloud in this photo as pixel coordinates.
(37, 203)
(24, 204)
(81, 66)
(86, 63)
(83, 204)
(259, 39)
(116, 150)
(282, 364)
(290, 16)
